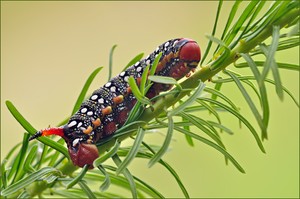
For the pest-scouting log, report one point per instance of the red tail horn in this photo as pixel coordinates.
(49, 131)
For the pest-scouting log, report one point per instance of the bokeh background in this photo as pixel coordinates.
(48, 49)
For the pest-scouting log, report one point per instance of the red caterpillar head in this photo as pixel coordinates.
(81, 153)
(189, 52)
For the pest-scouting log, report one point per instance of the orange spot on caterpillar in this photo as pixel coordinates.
(89, 141)
(107, 110)
(96, 122)
(119, 99)
(128, 90)
(88, 130)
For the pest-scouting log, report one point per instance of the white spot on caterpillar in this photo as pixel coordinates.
(73, 123)
(167, 44)
(175, 42)
(139, 69)
(101, 100)
(94, 97)
(108, 84)
(137, 63)
(126, 78)
(83, 110)
(113, 89)
(148, 62)
(157, 49)
(90, 113)
(79, 124)
(75, 142)
(122, 73)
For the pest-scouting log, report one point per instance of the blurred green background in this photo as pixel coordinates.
(48, 49)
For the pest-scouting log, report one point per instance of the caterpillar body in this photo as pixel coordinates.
(108, 107)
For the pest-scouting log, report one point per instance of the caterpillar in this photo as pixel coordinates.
(107, 109)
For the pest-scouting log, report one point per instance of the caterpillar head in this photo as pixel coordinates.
(181, 56)
(189, 52)
(81, 152)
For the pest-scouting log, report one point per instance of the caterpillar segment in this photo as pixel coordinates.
(108, 107)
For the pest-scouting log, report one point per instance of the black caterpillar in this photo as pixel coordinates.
(108, 107)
